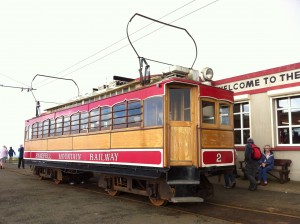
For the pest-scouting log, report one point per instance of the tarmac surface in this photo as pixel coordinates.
(274, 203)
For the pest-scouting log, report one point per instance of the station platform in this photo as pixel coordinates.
(273, 184)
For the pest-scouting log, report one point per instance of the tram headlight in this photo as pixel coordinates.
(207, 74)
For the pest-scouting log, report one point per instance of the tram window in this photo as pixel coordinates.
(35, 130)
(40, 129)
(134, 114)
(58, 126)
(66, 128)
(94, 119)
(105, 118)
(208, 112)
(224, 114)
(75, 123)
(46, 128)
(119, 116)
(180, 104)
(84, 122)
(153, 111)
(52, 127)
(29, 132)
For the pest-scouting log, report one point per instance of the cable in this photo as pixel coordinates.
(111, 45)
(13, 79)
(202, 7)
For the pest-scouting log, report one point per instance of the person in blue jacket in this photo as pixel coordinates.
(266, 163)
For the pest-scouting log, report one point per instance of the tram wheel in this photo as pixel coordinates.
(113, 192)
(57, 181)
(158, 201)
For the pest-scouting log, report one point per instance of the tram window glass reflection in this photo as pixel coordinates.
(94, 119)
(84, 119)
(105, 118)
(134, 113)
(66, 128)
(46, 128)
(75, 123)
(58, 129)
(180, 105)
(119, 116)
(288, 120)
(52, 127)
(153, 111)
(224, 114)
(208, 112)
(35, 130)
(40, 128)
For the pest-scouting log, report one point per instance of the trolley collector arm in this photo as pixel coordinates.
(142, 59)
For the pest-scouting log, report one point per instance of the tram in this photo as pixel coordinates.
(157, 135)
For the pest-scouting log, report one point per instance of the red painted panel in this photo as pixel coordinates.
(217, 93)
(217, 157)
(122, 157)
(258, 74)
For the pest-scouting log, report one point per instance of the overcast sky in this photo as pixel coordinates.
(86, 41)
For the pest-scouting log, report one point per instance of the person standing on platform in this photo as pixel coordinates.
(11, 153)
(251, 166)
(21, 157)
(3, 156)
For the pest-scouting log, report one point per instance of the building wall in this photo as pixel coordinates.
(261, 89)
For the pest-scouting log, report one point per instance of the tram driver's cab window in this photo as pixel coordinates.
(153, 111)
(224, 114)
(208, 112)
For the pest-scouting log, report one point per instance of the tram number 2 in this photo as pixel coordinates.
(219, 158)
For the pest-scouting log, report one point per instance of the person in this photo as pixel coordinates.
(251, 165)
(21, 157)
(266, 163)
(229, 175)
(11, 153)
(3, 156)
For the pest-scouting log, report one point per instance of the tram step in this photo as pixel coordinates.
(177, 182)
(186, 199)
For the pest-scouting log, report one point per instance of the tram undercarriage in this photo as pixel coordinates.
(182, 187)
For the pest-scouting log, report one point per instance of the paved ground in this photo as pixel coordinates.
(25, 199)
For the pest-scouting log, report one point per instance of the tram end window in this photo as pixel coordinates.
(153, 111)
(208, 112)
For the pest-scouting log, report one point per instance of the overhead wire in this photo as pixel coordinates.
(109, 46)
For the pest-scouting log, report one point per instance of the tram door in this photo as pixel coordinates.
(182, 128)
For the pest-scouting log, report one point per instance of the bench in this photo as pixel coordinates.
(281, 168)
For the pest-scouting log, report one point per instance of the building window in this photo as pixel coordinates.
(153, 111)
(288, 120)
(241, 123)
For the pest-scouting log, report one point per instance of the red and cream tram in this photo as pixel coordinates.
(158, 140)
(158, 136)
